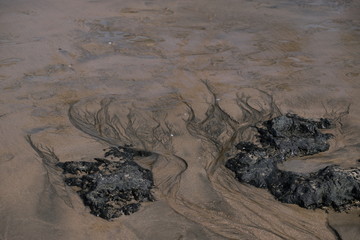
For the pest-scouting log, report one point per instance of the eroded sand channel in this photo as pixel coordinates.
(151, 57)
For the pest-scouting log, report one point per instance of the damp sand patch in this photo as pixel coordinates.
(169, 127)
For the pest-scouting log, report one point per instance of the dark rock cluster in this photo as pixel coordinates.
(111, 188)
(285, 137)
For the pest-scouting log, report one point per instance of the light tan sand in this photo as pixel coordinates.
(159, 62)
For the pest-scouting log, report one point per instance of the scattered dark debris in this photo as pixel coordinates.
(289, 136)
(125, 152)
(111, 188)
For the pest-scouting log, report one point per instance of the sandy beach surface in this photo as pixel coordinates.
(82, 75)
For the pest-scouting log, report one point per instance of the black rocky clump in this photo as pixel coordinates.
(289, 136)
(111, 188)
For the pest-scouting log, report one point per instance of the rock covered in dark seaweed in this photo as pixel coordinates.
(284, 137)
(291, 135)
(111, 188)
(330, 186)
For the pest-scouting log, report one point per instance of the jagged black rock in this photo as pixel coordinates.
(285, 137)
(111, 188)
(291, 135)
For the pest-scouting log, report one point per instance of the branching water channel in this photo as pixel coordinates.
(187, 148)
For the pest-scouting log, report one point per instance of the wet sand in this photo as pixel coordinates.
(185, 80)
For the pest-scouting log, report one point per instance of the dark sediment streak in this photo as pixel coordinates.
(285, 137)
